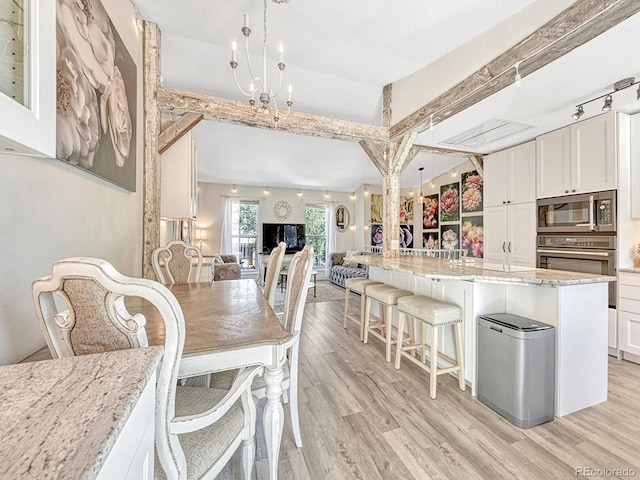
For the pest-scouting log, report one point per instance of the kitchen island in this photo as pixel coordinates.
(576, 304)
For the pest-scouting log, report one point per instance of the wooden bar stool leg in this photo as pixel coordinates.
(434, 362)
(401, 316)
(388, 327)
(411, 325)
(365, 325)
(460, 355)
(423, 342)
(346, 305)
(362, 307)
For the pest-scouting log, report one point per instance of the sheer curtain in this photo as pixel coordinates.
(331, 237)
(226, 242)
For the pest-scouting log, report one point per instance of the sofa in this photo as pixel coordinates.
(339, 271)
(226, 267)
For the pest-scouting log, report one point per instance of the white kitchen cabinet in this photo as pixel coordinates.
(510, 176)
(580, 158)
(510, 234)
(179, 180)
(28, 78)
(629, 313)
(635, 166)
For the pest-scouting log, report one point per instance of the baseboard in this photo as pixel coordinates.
(630, 357)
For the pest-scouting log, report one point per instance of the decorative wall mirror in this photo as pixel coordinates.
(342, 218)
(282, 210)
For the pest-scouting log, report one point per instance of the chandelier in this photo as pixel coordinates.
(258, 86)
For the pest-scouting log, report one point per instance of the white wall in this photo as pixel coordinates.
(212, 197)
(50, 210)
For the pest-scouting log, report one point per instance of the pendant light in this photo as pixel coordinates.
(421, 195)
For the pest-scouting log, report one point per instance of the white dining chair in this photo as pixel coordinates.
(300, 270)
(274, 264)
(176, 259)
(197, 429)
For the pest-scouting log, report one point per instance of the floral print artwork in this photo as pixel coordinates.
(96, 93)
(406, 209)
(473, 236)
(471, 192)
(406, 236)
(431, 240)
(377, 205)
(377, 209)
(430, 211)
(450, 237)
(450, 203)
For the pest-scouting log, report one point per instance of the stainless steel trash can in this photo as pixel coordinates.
(516, 368)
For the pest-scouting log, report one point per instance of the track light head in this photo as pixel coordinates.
(607, 103)
(578, 113)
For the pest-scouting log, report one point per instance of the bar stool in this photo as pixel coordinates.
(356, 285)
(437, 315)
(388, 297)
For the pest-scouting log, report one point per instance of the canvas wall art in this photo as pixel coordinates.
(430, 211)
(471, 192)
(473, 236)
(406, 236)
(377, 209)
(431, 240)
(406, 210)
(96, 83)
(377, 205)
(450, 202)
(450, 236)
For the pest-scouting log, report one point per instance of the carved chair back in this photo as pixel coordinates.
(273, 272)
(177, 260)
(299, 277)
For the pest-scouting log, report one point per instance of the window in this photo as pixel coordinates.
(244, 234)
(316, 232)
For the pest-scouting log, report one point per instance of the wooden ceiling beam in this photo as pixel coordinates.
(177, 130)
(581, 22)
(376, 154)
(403, 154)
(241, 113)
(442, 151)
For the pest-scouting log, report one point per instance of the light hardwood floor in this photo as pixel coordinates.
(362, 419)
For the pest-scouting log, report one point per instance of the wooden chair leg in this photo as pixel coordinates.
(362, 307)
(401, 316)
(346, 306)
(460, 355)
(388, 327)
(365, 324)
(434, 362)
(293, 397)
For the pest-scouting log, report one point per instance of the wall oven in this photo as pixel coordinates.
(580, 253)
(591, 212)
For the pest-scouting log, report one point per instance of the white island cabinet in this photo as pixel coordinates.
(575, 304)
(28, 78)
(629, 313)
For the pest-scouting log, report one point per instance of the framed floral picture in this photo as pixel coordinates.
(377, 205)
(406, 210)
(96, 94)
(450, 236)
(430, 211)
(406, 236)
(471, 192)
(450, 203)
(473, 236)
(431, 240)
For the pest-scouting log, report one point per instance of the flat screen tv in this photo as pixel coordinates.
(290, 233)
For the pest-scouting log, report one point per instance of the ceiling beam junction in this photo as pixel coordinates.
(177, 130)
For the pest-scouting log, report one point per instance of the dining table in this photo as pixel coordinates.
(229, 325)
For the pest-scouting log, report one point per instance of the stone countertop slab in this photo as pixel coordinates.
(479, 271)
(60, 418)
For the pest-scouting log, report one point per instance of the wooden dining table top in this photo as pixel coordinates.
(218, 316)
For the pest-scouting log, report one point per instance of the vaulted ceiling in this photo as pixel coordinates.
(339, 56)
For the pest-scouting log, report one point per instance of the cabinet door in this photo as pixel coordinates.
(553, 152)
(495, 234)
(629, 332)
(593, 154)
(521, 169)
(495, 179)
(178, 184)
(521, 245)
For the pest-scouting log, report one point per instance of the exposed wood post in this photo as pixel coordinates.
(151, 157)
(177, 130)
(478, 163)
(575, 26)
(386, 105)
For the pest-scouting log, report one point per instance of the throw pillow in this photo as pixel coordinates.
(349, 264)
(217, 259)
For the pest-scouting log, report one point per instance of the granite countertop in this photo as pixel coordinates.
(629, 270)
(479, 271)
(60, 418)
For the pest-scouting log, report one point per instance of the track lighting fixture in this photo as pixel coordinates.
(518, 78)
(608, 97)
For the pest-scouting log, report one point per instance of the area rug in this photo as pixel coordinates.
(326, 292)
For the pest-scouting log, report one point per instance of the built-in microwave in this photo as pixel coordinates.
(590, 212)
